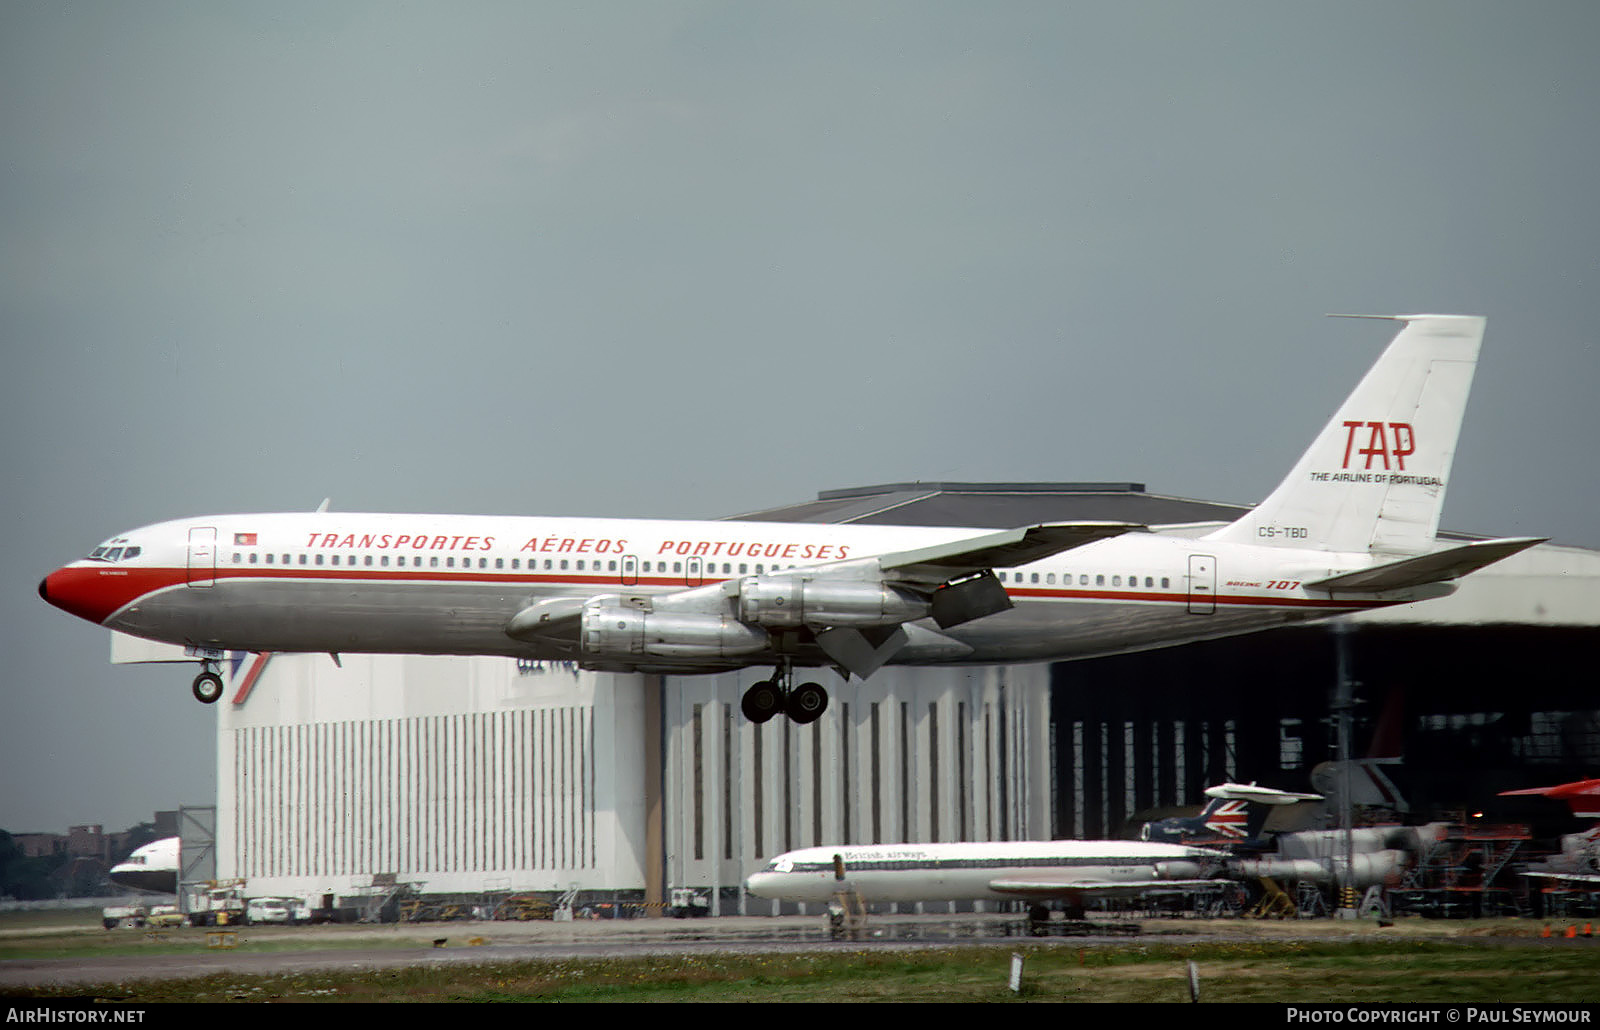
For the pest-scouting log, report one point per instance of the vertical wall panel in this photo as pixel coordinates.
(486, 792)
(857, 774)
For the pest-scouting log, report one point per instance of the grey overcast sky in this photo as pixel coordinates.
(685, 259)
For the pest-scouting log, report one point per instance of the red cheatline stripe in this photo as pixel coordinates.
(114, 594)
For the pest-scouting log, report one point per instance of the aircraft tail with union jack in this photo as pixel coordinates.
(1233, 817)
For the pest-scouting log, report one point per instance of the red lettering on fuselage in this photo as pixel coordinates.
(734, 549)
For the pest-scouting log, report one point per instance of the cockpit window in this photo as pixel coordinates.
(114, 551)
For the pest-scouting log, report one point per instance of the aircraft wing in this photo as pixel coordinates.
(1005, 549)
(1574, 877)
(955, 576)
(1049, 887)
(1582, 796)
(1427, 568)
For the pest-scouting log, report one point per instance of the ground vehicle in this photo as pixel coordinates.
(688, 902)
(276, 910)
(114, 916)
(219, 906)
(267, 910)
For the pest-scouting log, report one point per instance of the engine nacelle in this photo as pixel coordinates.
(1368, 869)
(786, 602)
(615, 632)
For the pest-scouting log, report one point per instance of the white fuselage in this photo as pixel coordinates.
(153, 867)
(1358, 514)
(448, 584)
(966, 871)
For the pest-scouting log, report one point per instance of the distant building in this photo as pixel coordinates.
(87, 841)
(41, 845)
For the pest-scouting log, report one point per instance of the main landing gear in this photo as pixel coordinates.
(208, 685)
(802, 704)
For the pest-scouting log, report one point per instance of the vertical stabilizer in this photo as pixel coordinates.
(1374, 479)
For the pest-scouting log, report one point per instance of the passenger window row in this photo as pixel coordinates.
(450, 562)
(584, 565)
(1049, 579)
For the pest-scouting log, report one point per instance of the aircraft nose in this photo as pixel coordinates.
(91, 594)
(761, 884)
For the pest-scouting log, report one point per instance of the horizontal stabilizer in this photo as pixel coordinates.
(1005, 549)
(1260, 795)
(1427, 568)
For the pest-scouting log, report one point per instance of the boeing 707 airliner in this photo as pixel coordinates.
(1351, 528)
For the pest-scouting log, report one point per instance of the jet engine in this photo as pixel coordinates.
(1180, 870)
(786, 602)
(1368, 869)
(617, 632)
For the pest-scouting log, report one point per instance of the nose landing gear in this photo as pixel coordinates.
(207, 686)
(803, 704)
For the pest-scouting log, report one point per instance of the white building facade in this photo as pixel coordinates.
(460, 775)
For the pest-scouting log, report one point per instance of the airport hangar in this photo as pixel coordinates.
(466, 776)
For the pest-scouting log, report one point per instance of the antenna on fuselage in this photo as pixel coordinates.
(324, 505)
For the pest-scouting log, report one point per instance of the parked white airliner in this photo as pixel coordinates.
(1037, 871)
(1351, 528)
(153, 867)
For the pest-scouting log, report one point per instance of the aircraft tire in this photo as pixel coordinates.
(806, 703)
(761, 702)
(207, 688)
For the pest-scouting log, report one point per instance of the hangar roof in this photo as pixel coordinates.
(996, 505)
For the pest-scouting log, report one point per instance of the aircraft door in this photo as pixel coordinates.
(694, 572)
(630, 570)
(202, 556)
(1202, 584)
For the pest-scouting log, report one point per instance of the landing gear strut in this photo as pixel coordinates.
(208, 685)
(802, 704)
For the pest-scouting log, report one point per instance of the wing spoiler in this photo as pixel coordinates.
(1005, 549)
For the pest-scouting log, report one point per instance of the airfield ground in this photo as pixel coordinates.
(926, 958)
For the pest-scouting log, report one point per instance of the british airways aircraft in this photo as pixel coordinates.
(1351, 528)
(1070, 871)
(1233, 818)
